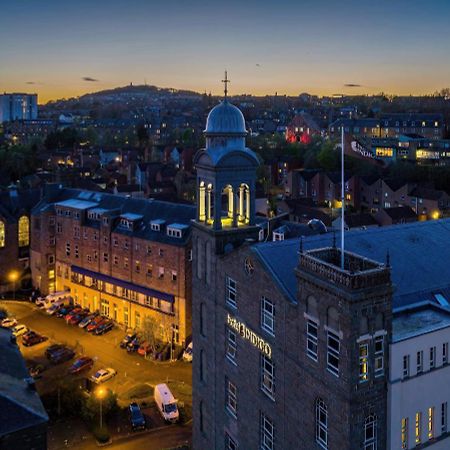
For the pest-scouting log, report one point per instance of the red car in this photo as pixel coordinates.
(77, 318)
(83, 363)
(144, 349)
(32, 338)
(95, 323)
(72, 313)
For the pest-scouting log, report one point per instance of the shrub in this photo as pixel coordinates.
(101, 434)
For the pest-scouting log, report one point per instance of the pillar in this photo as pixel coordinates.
(208, 203)
(230, 202)
(241, 204)
(202, 203)
(247, 204)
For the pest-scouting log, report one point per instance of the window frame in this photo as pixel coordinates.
(333, 353)
(231, 292)
(321, 426)
(266, 433)
(267, 316)
(267, 371)
(231, 398)
(312, 340)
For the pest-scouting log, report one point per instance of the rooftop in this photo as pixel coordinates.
(76, 204)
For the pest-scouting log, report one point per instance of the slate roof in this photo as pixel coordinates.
(418, 251)
(400, 212)
(20, 405)
(14, 203)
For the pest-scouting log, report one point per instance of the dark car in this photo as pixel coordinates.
(52, 349)
(63, 355)
(136, 417)
(62, 312)
(32, 338)
(83, 363)
(104, 328)
(72, 313)
(127, 339)
(134, 345)
(87, 320)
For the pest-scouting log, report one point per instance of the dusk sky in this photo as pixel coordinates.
(58, 49)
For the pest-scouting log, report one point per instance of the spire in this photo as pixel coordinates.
(225, 81)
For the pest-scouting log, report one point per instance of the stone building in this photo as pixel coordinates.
(125, 257)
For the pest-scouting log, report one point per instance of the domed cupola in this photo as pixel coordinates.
(225, 119)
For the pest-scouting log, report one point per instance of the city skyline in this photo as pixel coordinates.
(60, 50)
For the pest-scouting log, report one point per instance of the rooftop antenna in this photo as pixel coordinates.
(342, 198)
(225, 81)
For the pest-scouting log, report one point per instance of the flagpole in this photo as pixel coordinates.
(342, 198)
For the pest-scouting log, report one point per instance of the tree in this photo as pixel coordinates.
(328, 157)
(150, 329)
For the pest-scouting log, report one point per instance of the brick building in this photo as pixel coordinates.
(125, 257)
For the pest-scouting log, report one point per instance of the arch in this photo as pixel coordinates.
(2, 234)
(311, 306)
(333, 318)
(23, 231)
(321, 423)
(370, 432)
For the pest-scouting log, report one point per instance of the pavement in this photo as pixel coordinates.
(133, 372)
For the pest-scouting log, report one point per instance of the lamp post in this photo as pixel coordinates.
(100, 394)
(13, 277)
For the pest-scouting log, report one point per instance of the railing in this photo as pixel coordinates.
(358, 272)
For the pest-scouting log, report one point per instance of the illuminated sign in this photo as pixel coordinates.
(250, 336)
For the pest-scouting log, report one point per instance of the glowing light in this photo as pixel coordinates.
(13, 276)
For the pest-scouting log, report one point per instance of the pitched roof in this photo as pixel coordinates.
(400, 212)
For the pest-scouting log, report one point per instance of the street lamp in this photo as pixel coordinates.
(100, 393)
(13, 277)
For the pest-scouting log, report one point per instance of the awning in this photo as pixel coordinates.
(124, 284)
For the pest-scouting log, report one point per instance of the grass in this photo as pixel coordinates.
(139, 391)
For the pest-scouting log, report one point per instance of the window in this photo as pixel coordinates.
(137, 266)
(418, 428)
(404, 433)
(59, 227)
(77, 252)
(161, 252)
(24, 231)
(149, 250)
(174, 275)
(173, 232)
(231, 398)
(321, 423)
(379, 356)
(370, 433)
(432, 357)
(311, 339)
(105, 257)
(363, 362)
(405, 366)
(444, 417)
(230, 444)
(160, 272)
(267, 433)
(419, 362)
(2, 234)
(267, 376)
(115, 242)
(267, 315)
(231, 291)
(231, 345)
(333, 347)
(68, 249)
(190, 255)
(445, 353)
(76, 232)
(125, 263)
(155, 226)
(116, 260)
(430, 423)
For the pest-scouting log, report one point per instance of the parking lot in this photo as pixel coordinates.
(135, 377)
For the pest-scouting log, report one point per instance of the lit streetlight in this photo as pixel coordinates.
(13, 277)
(100, 393)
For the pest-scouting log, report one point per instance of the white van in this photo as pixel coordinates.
(61, 297)
(166, 403)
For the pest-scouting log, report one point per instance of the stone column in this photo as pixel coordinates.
(241, 204)
(230, 202)
(202, 203)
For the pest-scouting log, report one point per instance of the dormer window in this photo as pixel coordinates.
(278, 236)
(174, 232)
(105, 221)
(155, 226)
(128, 224)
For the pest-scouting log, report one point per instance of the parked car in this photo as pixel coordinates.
(87, 320)
(72, 313)
(133, 346)
(136, 417)
(62, 312)
(187, 354)
(145, 349)
(95, 323)
(52, 349)
(166, 403)
(83, 363)
(9, 322)
(103, 375)
(54, 308)
(32, 338)
(75, 320)
(127, 339)
(40, 302)
(104, 327)
(63, 355)
(20, 329)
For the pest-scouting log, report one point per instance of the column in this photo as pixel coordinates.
(247, 204)
(230, 202)
(202, 203)
(235, 209)
(208, 203)
(241, 204)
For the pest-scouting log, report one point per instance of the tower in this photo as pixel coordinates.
(226, 177)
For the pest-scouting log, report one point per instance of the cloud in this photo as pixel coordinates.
(352, 85)
(90, 79)
(30, 82)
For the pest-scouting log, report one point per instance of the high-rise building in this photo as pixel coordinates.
(18, 106)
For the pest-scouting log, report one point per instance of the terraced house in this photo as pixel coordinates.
(127, 258)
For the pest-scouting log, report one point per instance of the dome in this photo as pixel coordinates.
(225, 119)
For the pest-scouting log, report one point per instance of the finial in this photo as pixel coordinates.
(334, 238)
(388, 259)
(225, 81)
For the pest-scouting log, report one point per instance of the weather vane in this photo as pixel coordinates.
(225, 82)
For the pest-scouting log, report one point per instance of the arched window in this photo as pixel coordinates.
(370, 433)
(24, 231)
(321, 423)
(2, 234)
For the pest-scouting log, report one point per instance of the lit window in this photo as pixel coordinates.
(231, 345)
(137, 266)
(405, 366)
(267, 433)
(418, 428)
(333, 348)
(321, 423)
(420, 362)
(311, 339)
(370, 433)
(432, 357)
(24, 231)
(363, 362)
(149, 270)
(267, 376)
(231, 291)
(404, 433)
(267, 315)
(231, 400)
(379, 356)
(430, 423)
(2, 234)
(174, 275)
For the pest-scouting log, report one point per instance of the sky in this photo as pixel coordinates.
(62, 49)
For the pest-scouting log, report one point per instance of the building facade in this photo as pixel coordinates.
(127, 258)
(18, 106)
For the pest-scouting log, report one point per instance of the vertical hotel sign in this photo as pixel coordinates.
(249, 335)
